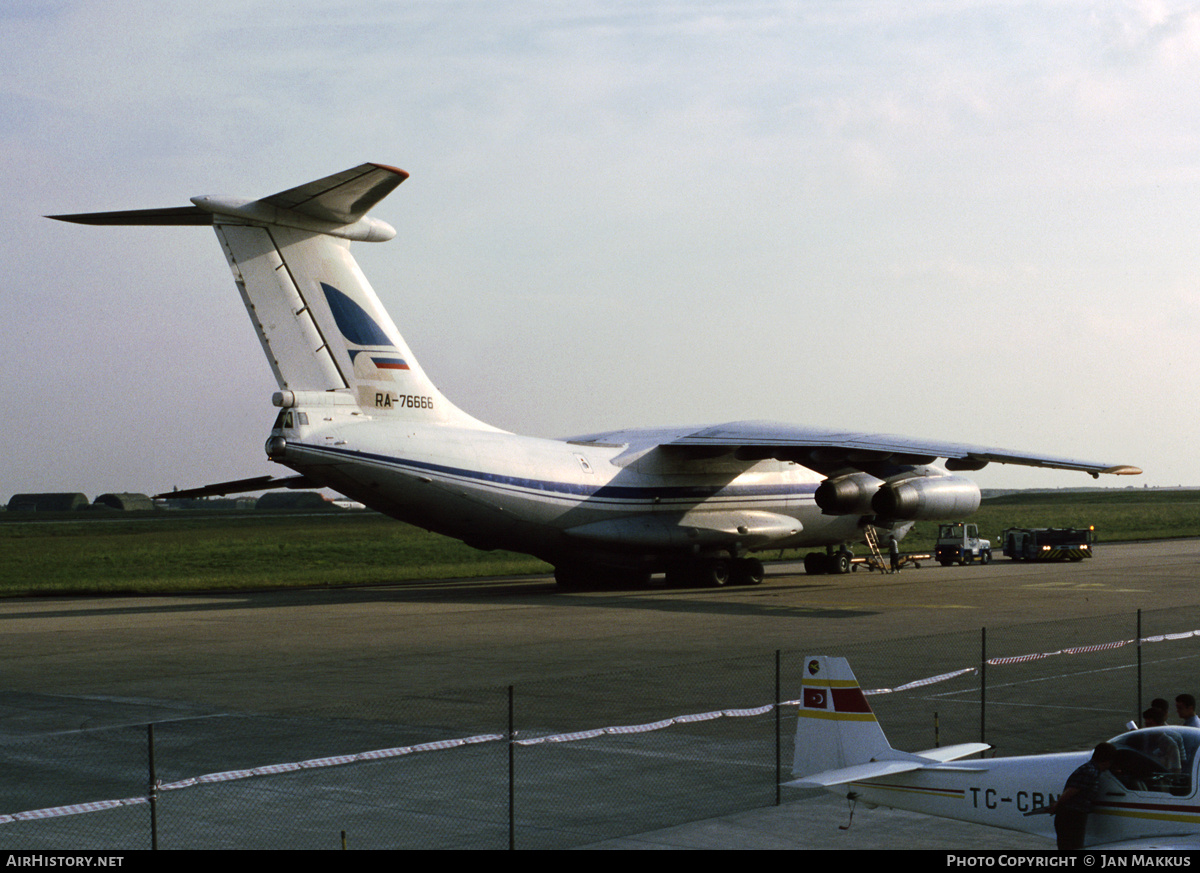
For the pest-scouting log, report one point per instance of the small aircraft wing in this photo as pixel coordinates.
(831, 449)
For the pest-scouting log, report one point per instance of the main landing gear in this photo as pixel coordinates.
(831, 562)
(715, 573)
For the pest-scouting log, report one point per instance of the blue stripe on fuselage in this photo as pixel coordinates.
(639, 493)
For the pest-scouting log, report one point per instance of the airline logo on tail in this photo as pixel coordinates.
(352, 320)
(360, 329)
(830, 693)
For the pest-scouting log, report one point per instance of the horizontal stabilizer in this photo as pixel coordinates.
(953, 753)
(856, 773)
(875, 769)
(342, 198)
(335, 204)
(241, 486)
(176, 216)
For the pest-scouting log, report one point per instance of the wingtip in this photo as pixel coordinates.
(401, 173)
(1124, 470)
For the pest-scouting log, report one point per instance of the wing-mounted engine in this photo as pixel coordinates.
(927, 498)
(914, 495)
(849, 494)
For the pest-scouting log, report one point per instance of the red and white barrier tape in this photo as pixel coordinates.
(438, 745)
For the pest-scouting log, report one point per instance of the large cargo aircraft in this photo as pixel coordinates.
(359, 415)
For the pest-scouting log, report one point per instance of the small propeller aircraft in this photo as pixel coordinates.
(1148, 798)
(357, 414)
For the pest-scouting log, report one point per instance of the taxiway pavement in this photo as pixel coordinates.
(68, 663)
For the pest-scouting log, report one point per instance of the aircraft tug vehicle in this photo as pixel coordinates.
(960, 543)
(1049, 543)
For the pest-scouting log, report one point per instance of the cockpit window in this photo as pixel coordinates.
(289, 419)
(1157, 759)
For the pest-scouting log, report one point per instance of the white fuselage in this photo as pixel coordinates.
(1000, 792)
(553, 498)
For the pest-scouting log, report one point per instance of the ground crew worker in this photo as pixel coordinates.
(1078, 797)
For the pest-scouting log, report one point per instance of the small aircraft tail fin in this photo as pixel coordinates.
(838, 738)
(836, 728)
(320, 323)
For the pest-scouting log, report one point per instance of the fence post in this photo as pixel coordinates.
(983, 685)
(1138, 712)
(153, 788)
(512, 741)
(778, 734)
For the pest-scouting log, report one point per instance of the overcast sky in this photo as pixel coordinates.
(965, 220)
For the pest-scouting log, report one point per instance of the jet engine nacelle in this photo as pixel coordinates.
(927, 498)
(847, 495)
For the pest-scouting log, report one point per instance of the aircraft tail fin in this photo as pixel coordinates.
(836, 728)
(838, 738)
(320, 323)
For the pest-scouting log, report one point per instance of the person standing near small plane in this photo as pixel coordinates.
(1072, 807)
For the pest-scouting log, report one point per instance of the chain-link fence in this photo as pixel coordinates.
(576, 760)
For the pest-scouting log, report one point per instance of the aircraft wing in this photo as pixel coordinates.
(822, 449)
(242, 486)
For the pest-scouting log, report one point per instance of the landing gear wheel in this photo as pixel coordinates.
(715, 573)
(748, 571)
(840, 562)
(816, 564)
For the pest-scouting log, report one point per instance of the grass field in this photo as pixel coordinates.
(161, 553)
(172, 552)
(1119, 516)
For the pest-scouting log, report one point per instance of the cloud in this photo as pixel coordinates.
(771, 186)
